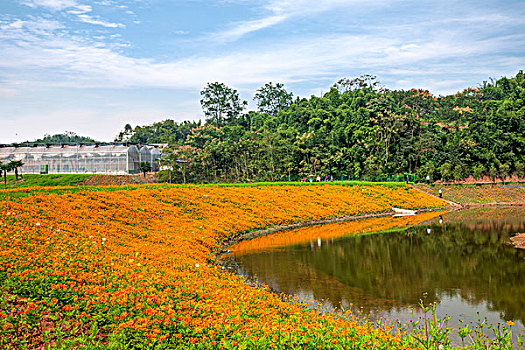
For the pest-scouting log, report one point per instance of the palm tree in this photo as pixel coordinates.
(144, 167)
(17, 164)
(5, 167)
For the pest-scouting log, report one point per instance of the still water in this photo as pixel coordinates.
(460, 260)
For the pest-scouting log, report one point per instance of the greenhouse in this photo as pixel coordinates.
(77, 159)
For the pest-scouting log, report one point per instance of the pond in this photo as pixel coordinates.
(461, 260)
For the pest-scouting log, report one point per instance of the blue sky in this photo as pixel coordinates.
(93, 66)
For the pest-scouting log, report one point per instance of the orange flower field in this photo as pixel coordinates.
(135, 268)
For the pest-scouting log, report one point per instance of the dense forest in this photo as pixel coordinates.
(356, 129)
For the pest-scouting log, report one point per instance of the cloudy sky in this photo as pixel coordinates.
(93, 66)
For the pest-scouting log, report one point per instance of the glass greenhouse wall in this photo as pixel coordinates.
(155, 159)
(75, 159)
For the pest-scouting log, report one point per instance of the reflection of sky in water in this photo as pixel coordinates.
(451, 305)
(463, 262)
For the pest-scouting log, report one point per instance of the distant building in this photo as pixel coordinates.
(81, 159)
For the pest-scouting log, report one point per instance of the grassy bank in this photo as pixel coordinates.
(37, 180)
(480, 194)
(135, 267)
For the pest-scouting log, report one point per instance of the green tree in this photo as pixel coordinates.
(15, 164)
(272, 98)
(478, 171)
(493, 172)
(66, 137)
(459, 172)
(184, 156)
(446, 171)
(144, 167)
(221, 104)
(365, 81)
(504, 171)
(519, 169)
(5, 167)
(125, 134)
(357, 128)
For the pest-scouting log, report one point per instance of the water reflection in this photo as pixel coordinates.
(461, 259)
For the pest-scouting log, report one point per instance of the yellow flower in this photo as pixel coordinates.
(510, 323)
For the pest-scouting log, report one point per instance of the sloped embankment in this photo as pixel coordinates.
(136, 267)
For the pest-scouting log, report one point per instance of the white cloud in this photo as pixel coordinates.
(81, 63)
(243, 28)
(29, 30)
(439, 53)
(55, 5)
(80, 9)
(91, 20)
(282, 10)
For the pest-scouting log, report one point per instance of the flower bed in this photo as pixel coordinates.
(135, 268)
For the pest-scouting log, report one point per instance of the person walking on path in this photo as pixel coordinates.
(428, 179)
(440, 193)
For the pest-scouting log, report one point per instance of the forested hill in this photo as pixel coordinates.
(355, 129)
(67, 137)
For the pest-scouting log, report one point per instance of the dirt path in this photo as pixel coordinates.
(478, 196)
(433, 195)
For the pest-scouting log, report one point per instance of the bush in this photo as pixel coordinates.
(478, 171)
(493, 172)
(519, 168)
(446, 171)
(459, 172)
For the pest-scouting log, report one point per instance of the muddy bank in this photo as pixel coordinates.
(119, 180)
(497, 204)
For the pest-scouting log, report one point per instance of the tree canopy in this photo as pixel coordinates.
(66, 137)
(357, 128)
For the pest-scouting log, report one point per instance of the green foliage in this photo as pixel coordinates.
(459, 172)
(272, 98)
(221, 104)
(37, 180)
(166, 131)
(355, 129)
(144, 167)
(4, 168)
(519, 169)
(430, 332)
(66, 137)
(478, 171)
(493, 172)
(446, 171)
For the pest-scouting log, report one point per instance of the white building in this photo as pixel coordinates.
(79, 159)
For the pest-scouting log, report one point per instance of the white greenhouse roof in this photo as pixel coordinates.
(64, 150)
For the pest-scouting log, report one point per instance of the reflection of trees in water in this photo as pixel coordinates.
(477, 265)
(393, 270)
(510, 216)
